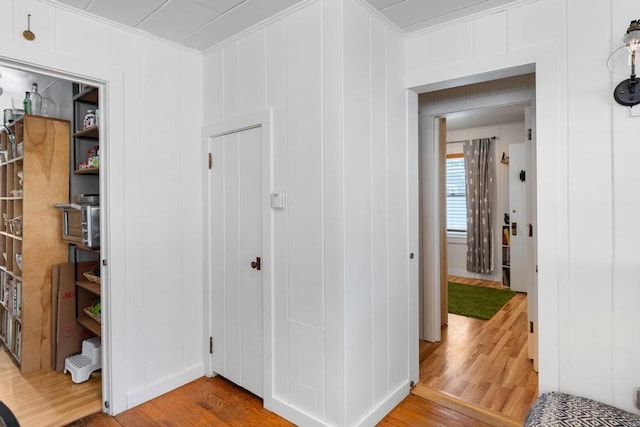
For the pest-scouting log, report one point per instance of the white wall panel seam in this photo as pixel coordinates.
(386, 192)
(343, 206)
(613, 219)
(371, 216)
(323, 217)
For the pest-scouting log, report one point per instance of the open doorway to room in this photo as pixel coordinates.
(50, 274)
(488, 363)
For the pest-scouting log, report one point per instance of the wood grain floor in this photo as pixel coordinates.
(484, 362)
(216, 401)
(46, 398)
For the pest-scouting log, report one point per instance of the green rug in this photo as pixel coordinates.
(476, 301)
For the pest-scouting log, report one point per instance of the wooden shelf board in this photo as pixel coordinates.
(87, 171)
(89, 95)
(11, 198)
(90, 324)
(94, 288)
(91, 132)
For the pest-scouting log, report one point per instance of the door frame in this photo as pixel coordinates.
(431, 279)
(109, 83)
(262, 119)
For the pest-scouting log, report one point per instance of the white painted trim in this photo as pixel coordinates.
(262, 119)
(381, 410)
(110, 82)
(518, 97)
(292, 413)
(552, 208)
(156, 389)
(413, 186)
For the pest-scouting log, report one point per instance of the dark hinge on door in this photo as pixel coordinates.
(210, 160)
(529, 134)
(210, 345)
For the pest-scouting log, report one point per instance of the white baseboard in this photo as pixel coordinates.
(291, 413)
(301, 418)
(165, 385)
(386, 406)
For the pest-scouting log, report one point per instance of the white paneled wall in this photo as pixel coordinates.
(586, 155)
(333, 75)
(151, 157)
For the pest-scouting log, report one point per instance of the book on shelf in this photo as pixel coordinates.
(505, 236)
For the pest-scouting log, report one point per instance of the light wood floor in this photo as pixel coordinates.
(484, 362)
(46, 398)
(216, 401)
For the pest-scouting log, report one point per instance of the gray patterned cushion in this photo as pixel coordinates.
(560, 409)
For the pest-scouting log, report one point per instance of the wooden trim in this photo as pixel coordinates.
(444, 265)
(472, 410)
(454, 155)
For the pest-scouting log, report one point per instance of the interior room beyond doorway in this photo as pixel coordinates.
(491, 367)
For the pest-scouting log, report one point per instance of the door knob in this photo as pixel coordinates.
(256, 264)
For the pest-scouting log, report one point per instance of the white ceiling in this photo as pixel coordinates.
(200, 24)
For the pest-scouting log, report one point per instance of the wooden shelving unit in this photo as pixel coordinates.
(86, 98)
(30, 231)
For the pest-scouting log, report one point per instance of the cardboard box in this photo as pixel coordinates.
(67, 332)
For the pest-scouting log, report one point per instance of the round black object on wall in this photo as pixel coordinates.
(627, 92)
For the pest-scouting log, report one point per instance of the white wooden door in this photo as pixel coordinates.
(235, 243)
(520, 177)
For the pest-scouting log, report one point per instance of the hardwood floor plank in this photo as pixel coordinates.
(477, 412)
(484, 362)
(47, 398)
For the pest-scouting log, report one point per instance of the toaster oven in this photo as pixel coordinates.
(81, 222)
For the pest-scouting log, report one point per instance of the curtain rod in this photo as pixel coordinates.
(464, 140)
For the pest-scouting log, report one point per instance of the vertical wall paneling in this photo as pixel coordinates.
(450, 45)
(142, 77)
(162, 71)
(590, 264)
(333, 150)
(379, 212)
(334, 79)
(43, 17)
(584, 151)
(125, 54)
(358, 208)
(231, 86)
(71, 36)
(213, 87)
(305, 207)
(277, 99)
(398, 215)
(490, 35)
(191, 167)
(251, 71)
(626, 204)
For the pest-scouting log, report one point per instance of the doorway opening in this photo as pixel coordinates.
(52, 120)
(494, 372)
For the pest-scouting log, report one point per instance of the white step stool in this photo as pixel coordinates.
(82, 365)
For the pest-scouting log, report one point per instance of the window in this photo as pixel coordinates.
(456, 194)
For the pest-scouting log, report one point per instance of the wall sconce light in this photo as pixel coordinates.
(628, 91)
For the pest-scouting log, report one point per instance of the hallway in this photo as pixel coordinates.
(484, 362)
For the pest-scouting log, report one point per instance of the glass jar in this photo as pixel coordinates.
(89, 119)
